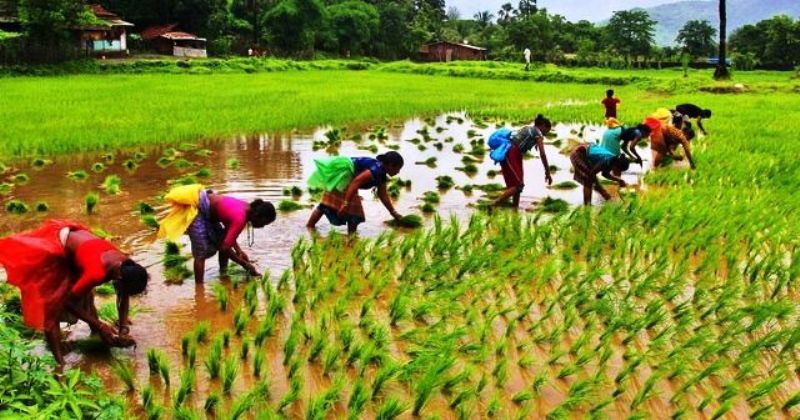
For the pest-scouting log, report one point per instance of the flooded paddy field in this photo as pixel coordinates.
(409, 322)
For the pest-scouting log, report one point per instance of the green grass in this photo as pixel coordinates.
(228, 104)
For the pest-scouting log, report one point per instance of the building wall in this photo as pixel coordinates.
(449, 52)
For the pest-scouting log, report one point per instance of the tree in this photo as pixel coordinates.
(484, 19)
(51, 20)
(354, 25)
(292, 26)
(722, 73)
(453, 13)
(697, 38)
(527, 8)
(631, 33)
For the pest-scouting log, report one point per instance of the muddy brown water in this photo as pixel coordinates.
(267, 165)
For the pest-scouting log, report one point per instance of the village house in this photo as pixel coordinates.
(107, 36)
(168, 40)
(450, 51)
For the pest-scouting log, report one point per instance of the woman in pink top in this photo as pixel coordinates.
(219, 222)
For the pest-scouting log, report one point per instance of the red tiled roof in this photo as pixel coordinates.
(101, 12)
(180, 36)
(154, 32)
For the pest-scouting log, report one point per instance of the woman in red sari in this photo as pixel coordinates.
(56, 267)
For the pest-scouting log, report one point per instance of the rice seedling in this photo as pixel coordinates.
(37, 163)
(229, 372)
(221, 296)
(203, 153)
(407, 221)
(554, 205)
(213, 362)
(186, 387)
(390, 409)
(258, 362)
(212, 402)
(201, 332)
(124, 371)
(225, 338)
(565, 185)
(6, 188)
(108, 158)
(469, 169)
(182, 164)
(232, 164)
(79, 175)
(330, 358)
(41, 207)
(130, 165)
(163, 369)
(112, 185)
(20, 179)
(90, 202)
(148, 396)
(203, 173)
(150, 221)
(244, 350)
(444, 182)
(16, 207)
(98, 167)
(288, 206)
(293, 394)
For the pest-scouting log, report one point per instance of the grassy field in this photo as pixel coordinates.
(679, 302)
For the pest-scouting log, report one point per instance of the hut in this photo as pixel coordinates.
(451, 51)
(107, 35)
(168, 40)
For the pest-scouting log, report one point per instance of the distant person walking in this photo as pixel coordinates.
(692, 111)
(610, 103)
(527, 59)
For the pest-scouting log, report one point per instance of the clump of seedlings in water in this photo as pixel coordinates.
(112, 185)
(214, 359)
(201, 332)
(150, 221)
(98, 167)
(130, 165)
(229, 372)
(90, 202)
(232, 164)
(20, 179)
(565, 185)
(554, 205)
(16, 207)
(469, 169)
(175, 270)
(444, 182)
(38, 163)
(79, 175)
(41, 207)
(203, 173)
(124, 371)
(6, 188)
(407, 221)
(458, 148)
(288, 206)
(203, 153)
(221, 295)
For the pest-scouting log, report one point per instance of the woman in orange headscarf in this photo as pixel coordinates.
(665, 139)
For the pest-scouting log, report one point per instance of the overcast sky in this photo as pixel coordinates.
(575, 10)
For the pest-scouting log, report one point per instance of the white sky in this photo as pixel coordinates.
(592, 10)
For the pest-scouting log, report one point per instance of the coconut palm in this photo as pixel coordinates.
(722, 66)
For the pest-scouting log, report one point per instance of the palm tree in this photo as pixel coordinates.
(722, 66)
(484, 18)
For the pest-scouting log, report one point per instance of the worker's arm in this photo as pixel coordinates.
(240, 259)
(700, 126)
(618, 180)
(629, 148)
(383, 195)
(352, 189)
(687, 149)
(547, 177)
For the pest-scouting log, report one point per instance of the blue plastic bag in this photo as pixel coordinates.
(499, 143)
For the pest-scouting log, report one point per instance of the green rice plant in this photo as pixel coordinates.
(287, 206)
(554, 205)
(428, 208)
(522, 396)
(16, 207)
(500, 372)
(201, 332)
(186, 387)
(213, 361)
(130, 165)
(293, 394)
(212, 402)
(429, 162)
(163, 369)
(37, 163)
(203, 153)
(469, 169)
(79, 175)
(383, 375)
(105, 289)
(290, 346)
(182, 164)
(203, 173)
(20, 179)
(229, 372)
(318, 343)
(431, 197)
(221, 296)
(565, 185)
(359, 398)
(458, 148)
(762, 412)
(150, 221)
(108, 158)
(148, 396)
(41, 207)
(98, 167)
(258, 362)
(112, 185)
(407, 221)
(244, 350)
(330, 358)
(153, 357)
(390, 409)
(444, 182)
(240, 320)
(232, 164)
(124, 371)
(164, 162)
(6, 188)
(90, 202)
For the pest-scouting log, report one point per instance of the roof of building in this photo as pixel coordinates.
(168, 31)
(472, 47)
(109, 18)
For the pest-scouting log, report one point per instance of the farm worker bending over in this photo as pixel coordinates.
(213, 223)
(590, 159)
(341, 177)
(619, 139)
(691, 111)
(516, 144)
(56, 267)
(664, 138)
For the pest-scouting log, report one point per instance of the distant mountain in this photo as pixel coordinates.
(671, 17)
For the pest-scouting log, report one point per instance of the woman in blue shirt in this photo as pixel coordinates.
(590, 159)
(341, 177)
(622, 139)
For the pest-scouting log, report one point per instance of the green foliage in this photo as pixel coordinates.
(90, 202)
(697, 38)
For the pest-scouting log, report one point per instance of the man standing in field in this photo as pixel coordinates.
(527, 59)
(610, 102)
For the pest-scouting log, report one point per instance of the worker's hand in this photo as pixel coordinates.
(692, 165)
(252, 270)
(548, 178)
(639, 161)
(396, 215)
(622, 183)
